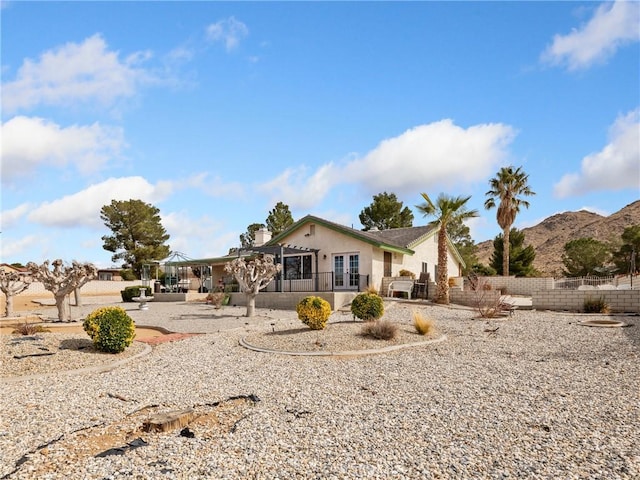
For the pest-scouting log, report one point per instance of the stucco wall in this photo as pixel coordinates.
(95, 287)
(288, 301)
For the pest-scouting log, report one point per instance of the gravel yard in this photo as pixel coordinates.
(531, 396)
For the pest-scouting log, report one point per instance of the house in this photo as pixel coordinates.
(5, 267)
(109, 274)
(331, 260)
(323, 252)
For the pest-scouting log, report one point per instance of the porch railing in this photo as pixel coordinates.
(316, 282)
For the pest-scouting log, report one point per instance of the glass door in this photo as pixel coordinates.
(338, 271)
(346, 270)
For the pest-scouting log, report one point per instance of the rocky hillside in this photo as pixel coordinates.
(549, 236)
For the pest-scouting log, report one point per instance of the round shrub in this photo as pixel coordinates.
(130, 292)
(314, 312)
(367, 306)
(111, 329)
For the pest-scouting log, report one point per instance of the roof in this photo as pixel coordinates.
(400, 240)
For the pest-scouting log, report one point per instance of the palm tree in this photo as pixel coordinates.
(508, 186)
(446, 209)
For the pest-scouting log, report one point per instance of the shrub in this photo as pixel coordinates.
(27, 328)
(111, 329)
(595, 305)
(367, 306)
(380, 330)
(406, 273)
(422, 324)
(371, 289)
(218, 299)
(129, 292)
(314, 312)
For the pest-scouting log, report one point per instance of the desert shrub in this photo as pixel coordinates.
(367, 306)
(111, 329)
(422, 324)
(130, 292)
(27, 328)
(314, 312)
(380, 330)
(595, 305)
(371, 289)
(406, 273)
(218, 299)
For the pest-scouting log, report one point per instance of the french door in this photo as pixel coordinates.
(346, 270)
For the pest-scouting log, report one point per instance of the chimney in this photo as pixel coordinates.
(262, 236)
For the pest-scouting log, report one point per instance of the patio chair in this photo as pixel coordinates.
(420, 287)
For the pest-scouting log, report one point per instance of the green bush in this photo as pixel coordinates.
(129, 292)
(314, 312)
(595, 305)
(367, 306)
(111, 329)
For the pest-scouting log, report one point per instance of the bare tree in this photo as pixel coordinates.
(253, 276)
(62, 281)
(12, 284)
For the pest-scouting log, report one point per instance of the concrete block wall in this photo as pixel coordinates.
(520, 285)
(620, 301)
(469, 297)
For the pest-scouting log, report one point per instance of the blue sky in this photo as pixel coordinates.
(214, 112)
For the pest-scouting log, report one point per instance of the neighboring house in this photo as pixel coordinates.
(319, 255)
(109, 274)
(5, 267)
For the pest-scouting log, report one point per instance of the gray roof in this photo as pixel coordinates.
(402, 237)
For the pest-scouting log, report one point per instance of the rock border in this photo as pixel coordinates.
(243, 342)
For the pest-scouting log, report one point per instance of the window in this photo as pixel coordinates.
(297, 267)
(425, 267)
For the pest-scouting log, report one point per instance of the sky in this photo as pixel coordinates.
(214, 112)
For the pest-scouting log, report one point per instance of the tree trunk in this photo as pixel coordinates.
(442, 285)
(78, 297)
(251, 304)
(9, 305)
(64, 310)
(505, 251)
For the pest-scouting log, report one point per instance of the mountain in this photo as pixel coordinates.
(549, 237)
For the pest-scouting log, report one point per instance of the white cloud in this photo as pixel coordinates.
(228, 31)
(11, 217)
(197, 237)
(31, 142)
(294, 188)
(425, 158)
(83, 208)
(85, 71)
(615, 167)
(613, 25)
(215, 186)
(14, 248)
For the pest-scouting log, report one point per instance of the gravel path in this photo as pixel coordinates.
(533, 396)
